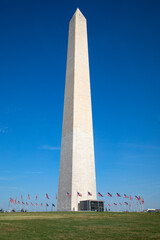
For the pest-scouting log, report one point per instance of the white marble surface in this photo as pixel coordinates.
(77, 164)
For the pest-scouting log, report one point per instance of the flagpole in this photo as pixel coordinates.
(21, 202)
(98, 203)
(66, 203)
(136, 206)
(46, 204)
(56, 204)
(9, 206)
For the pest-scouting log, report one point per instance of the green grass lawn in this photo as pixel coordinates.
(78, 225)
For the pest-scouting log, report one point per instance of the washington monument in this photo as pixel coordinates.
(77, 179)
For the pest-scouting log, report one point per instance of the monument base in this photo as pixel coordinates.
(91, 205)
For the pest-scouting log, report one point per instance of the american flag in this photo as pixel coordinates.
(142, 200)
(68, 194)
(27, 203)
(47, 205)
(11, 200)
(79, 194)
(31, 203)
(23, 203)
(118, 195)
(36, 197)
(125, 196)
(19, 202)
(131, 198)
(109, 194)
(125, 203)
(21, 198)
(139, 198)
(130, 204)
(36, 204)
(47, 196)
(90, 194)
(53, 205)
(136, 198)
(109, 204)
(115, 204)
(29, 197)
(120, 204)
(41, 204)
(99, 194)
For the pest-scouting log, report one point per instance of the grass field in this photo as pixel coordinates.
(78, 225)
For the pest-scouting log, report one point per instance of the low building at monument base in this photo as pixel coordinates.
(91, 205)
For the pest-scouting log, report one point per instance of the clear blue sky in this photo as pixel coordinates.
(124, 53)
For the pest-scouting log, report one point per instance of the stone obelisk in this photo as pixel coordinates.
(77, 164)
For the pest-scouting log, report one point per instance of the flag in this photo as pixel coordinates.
(109, 194)
(115, 204)
(36, 204)
(53, 205)
(47, 196)
(130, 204)
(19, 202)
(131, 198)
(141, 198)
(15, 201)
(118, 195)
(29, 197)
(36, 197)
(99, 194)
(136, 198)
(90, 194)
(23, 203)
(125, 203)
(21, 198)
(109, 204)
(11, 200)
(47, 205)
(27, 203)
(125, 196)
(79, 194)
(41, 204)
(68, 194)
(120, 204)
(31, 203)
